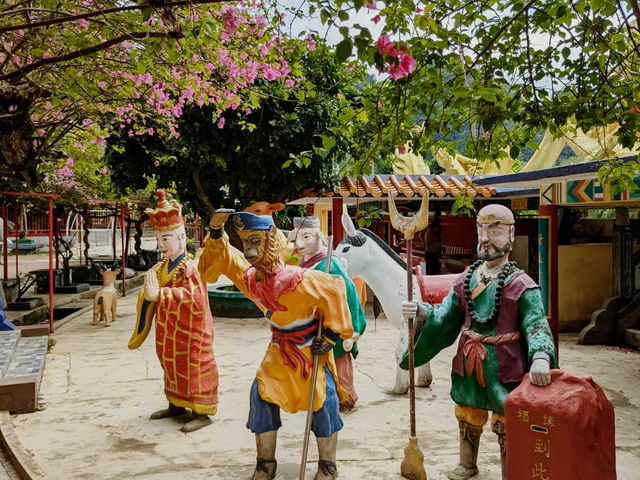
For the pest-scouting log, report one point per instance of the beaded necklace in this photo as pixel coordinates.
(163, 278)
(506, 270)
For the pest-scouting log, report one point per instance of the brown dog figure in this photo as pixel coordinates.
(106, 300)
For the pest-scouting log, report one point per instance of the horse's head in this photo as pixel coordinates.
(353, 249)
(362, 250)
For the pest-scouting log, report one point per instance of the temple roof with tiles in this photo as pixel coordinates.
(405, 186)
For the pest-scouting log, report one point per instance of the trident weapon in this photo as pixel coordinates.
(314, 377)
(412, 466)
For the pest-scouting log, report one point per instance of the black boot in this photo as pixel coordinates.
(172, 411)
(197, 422)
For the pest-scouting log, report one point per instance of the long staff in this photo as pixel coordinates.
(314, 376)
(412, 466)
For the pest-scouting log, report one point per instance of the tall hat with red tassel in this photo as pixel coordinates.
(167, 215)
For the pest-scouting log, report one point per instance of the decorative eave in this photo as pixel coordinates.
(379, 187)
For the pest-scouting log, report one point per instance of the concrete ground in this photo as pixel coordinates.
(96, 397)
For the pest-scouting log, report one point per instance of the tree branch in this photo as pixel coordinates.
(201, 193)
(501, 30)
(70, 18)
(83, 52)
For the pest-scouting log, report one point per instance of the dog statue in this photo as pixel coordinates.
(106, 300)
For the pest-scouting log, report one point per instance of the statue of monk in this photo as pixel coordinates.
(175, 295)
(497, 310)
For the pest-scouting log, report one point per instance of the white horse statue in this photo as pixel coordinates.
(368, 257)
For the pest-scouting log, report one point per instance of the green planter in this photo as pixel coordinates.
(227, 301)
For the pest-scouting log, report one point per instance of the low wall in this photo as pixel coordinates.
(585, 280)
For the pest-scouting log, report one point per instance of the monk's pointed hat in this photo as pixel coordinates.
(167, 215)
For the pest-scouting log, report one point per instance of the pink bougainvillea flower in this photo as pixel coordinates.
(404, 67)
(46, 55)
(383, 44)
(70, 161)
(221, 123)
(65, 171)
(289, 83)
(103, 170)
(150, 131)
(312, 43)
(84, 24)
(87, 122)
(376, 19)
(401, 149)
(634, 110)
(486, 134)
(371, 4)
(386, 47)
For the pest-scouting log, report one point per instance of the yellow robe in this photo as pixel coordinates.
(318, 294)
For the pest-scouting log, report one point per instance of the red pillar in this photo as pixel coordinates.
(124, 253)
(5, 231)
(336, 220)
(50, 265)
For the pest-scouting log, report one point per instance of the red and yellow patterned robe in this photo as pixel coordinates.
(184, 337)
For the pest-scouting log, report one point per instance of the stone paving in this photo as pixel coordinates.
(97, 396)
(29, 357)
(8, 340)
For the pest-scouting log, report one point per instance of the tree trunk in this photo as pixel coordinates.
(18, 160)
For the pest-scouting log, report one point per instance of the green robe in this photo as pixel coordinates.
(355, 307)
(443, 324)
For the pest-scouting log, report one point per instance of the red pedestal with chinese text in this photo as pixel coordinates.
(564, 431)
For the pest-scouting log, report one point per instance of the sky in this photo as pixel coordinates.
(363, 17)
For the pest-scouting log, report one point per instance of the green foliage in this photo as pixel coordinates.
(288, 141)
(501, 70)
(68, 69)
(620, 175)
(608, 213)
(79, 176)
(369, 213)
(463, 206)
